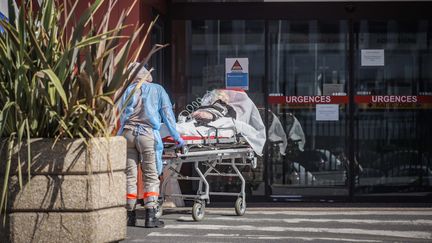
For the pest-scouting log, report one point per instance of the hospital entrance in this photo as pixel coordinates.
(308, 101)
(345, 101)
(360, 135)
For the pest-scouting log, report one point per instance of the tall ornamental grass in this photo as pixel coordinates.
(61, 76)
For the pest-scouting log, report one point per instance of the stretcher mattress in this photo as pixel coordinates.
(247, 121)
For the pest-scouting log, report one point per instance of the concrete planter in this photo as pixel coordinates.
(75, 194)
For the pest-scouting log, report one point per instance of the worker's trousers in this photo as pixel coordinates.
(141, 149)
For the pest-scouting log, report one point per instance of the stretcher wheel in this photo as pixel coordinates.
(240, 206)
(159, 210)
(198, 211)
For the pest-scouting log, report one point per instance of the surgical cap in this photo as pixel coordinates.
(142, 73)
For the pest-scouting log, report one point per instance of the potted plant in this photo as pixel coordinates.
(61, 75)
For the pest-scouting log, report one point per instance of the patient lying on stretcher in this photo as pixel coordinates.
(206, 114)
(231, 113)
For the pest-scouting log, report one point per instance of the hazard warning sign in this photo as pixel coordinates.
(237, 73)
(236, 67)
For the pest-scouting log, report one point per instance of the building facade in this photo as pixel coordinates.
(347, 83)
(356, 77)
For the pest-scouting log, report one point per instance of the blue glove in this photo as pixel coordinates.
(180, 143)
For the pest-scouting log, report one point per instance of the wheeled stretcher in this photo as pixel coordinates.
(209, 155)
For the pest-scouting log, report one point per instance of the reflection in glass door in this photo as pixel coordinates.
(308, 108)
(393, 101)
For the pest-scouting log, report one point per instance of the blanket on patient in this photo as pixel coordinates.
(247, 121)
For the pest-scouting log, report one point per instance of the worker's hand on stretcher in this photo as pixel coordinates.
(180, 143)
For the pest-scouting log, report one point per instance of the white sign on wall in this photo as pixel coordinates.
(327, 112)
(372, 57)
(237, 73)
(4, 8)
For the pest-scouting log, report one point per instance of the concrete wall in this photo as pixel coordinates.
(75, 194)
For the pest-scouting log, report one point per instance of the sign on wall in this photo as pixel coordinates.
(393, 101)
(4, 8)
(318, 99)
(237, 73)
(372, 57)
(3, 12)
(327, 112)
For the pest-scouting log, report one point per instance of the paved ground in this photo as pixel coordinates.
(299, 224)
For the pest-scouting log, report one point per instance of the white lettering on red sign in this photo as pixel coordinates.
(308, 99)
(394, 99)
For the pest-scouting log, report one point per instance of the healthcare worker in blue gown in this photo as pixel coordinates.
(140, 123)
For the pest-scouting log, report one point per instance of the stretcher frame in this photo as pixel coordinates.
(210, 152)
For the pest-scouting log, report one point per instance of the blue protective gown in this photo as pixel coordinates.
(157, 108)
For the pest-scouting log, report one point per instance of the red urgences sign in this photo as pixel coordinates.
(318, 99)
(393, 99)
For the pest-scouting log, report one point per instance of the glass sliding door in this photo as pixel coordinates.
(393, 107)
(200, 48)
(301, 75)
(308, 108)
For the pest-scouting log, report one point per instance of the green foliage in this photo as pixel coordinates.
(61, 76)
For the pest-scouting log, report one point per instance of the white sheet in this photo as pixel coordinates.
(189, 128)
(248, 122)
(276, 133)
